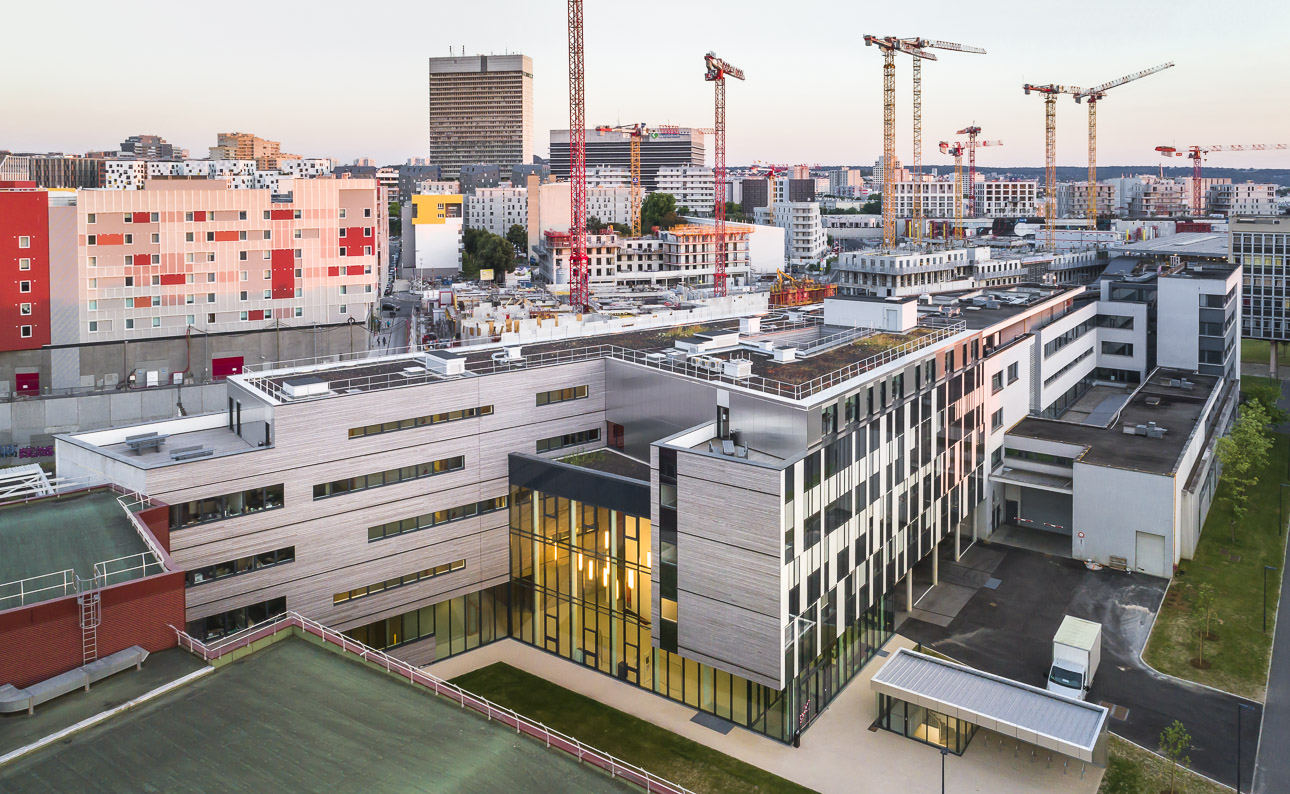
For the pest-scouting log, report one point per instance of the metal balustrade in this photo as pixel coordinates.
(37, 588)
(523, 725)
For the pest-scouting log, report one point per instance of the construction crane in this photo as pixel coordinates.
(926, 44)
(635, 132)
(1050, 93)
(973, 131)
(916, 47)
(717, 72)
(771, 171)
(579, 284)
(1094, 95)
(956, 150)
(1197, 154)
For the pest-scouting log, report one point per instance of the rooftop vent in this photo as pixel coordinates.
(785, 354)
(443, 362)
(307, 386)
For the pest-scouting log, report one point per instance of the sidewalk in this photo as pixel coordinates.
(838, 754)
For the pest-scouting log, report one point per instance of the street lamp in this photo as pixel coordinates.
(944, 752)
(1266, 568)
(1239, 708)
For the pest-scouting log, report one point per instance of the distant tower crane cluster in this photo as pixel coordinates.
(1197, 154)
(956, 150)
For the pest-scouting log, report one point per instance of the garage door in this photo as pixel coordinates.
(1151, 554)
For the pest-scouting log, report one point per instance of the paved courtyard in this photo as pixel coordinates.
(1007, 629)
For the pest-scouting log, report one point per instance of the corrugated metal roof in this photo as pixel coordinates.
(1072, 727)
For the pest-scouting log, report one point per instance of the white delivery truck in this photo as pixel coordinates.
(1077, 650)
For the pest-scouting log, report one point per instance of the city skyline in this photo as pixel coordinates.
(805, 100)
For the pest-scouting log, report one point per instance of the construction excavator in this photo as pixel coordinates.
(790, 291)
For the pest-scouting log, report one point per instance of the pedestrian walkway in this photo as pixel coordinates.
(838, 754)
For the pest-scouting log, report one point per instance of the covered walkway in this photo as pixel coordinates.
(942, 703)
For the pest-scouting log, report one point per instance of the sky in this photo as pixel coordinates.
(346, 80)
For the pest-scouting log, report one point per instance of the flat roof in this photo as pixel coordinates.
(609, 461)
(1174, 408)
(1068, 726)
(54, 534)
(1209, 244)
(298, 717)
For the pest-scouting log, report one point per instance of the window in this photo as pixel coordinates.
(568, 440)
(93, 305)
(266, 235)
(268, 294)
(24, 286)
(156, 322)
(561, 395)
(129, 323)
(342, 212)
(299, 312)
(25, 242)
(24, 308)
(210, 277)
(210, 318)
(420, 421)
(255, 562)
(996, 420)
(24, 331)
(342, 230)
(216, 626)
(1013, 372)
(996, 382)
(25, 264)
(156, 238)
(154, 217)
(129, 239)
(1117, 349)
(267, 215)
(367, 212)
(218, 508)
(129, 281)
(389, 477)
(156, 281)
(367, 250)
(399, 581)
(91, 218)
(242, 316)
(91, 239)
(94, 326)
(241, 215)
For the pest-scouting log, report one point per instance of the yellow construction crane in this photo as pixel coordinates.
(916, 47)
(635, 132)
(956, 150)
(1093, 95)
(1050, 93)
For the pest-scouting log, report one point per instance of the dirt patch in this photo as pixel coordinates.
(1200, 664)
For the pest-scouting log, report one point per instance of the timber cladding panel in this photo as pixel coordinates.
(312, 446)
(729, 546)
(44, 640)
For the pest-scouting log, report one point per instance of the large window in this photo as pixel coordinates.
(255, 562)
(1066, 337)
(561, 395)
(213, 627)
(398, 581)
(456, 624)
(393, 528)
(420, 421)
(389, 477)
(217, 508)
(568, 440)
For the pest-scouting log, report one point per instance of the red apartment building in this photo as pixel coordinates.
(24, 269)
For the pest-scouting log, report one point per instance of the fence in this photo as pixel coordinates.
(123, 569)
(37, 588)
(509, 717)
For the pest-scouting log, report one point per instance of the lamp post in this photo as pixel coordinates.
(1239, 708)
(1266, 568)
(944, 752)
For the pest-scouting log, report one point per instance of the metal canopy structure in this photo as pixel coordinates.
(1053, 722)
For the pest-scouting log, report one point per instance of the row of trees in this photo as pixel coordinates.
(1244, 453)
(871, 207)
(485, 250)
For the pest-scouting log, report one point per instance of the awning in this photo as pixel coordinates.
(1071, 727)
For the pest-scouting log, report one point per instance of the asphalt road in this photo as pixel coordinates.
(1273, 765)
(1008, 631)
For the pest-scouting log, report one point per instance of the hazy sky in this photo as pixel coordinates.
(349, 79)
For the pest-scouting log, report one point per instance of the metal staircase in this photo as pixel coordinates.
(87, 599)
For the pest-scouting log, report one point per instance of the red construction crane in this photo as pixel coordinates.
(1197, 154)
(718, 71)
(579, 285)
(956, 150)
(1093, 95)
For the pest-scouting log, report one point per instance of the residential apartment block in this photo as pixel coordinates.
(691, 185)
(481, 111)
(178, 256)
(725, 514)
(682, 255)
(268, 155)
(805, 242)
(433, 231)
(497, 209)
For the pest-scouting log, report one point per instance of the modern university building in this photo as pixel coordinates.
(725, 512)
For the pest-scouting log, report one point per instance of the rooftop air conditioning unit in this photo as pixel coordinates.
(737, 368)
(443, 362)
(308, 386)
(785, 354)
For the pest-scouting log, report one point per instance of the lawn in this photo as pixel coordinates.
(1255, 351)
(632, 739)
(1132, 770)
(1238, 656)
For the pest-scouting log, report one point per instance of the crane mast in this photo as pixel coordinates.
(717, 71)
(579, 283)
(1050, 93)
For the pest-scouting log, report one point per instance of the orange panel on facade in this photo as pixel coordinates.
(111, 239)
(354, 270)
(333, 271)
(226, 237)
(282, 215)
(170, 279)
(140, 217)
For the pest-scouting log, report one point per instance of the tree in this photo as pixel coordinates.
(518, 236)
(396, 219)
(595, 224)
(655, 210)
(1204, 609)
(1242, 455)
(873, 206)
(735, 212)
(1174, 743)
(485, 250)
(1267, 395)
(622, 229)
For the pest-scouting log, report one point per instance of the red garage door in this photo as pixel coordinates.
(223, 367)
(27, 382)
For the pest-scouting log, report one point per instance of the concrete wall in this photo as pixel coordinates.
(1112, 505)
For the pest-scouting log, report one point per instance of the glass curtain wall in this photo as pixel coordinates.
(580, 588)
(924, 725)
